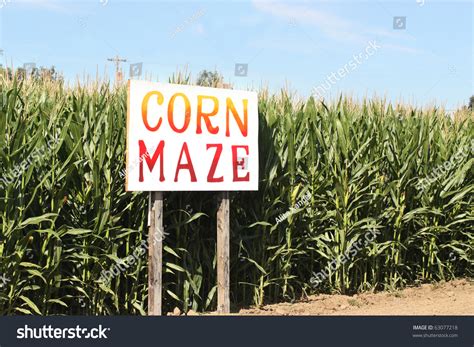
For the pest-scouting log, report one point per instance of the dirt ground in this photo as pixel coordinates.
(446, 298)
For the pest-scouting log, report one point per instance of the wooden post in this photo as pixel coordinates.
(155, 254)
(223, 246)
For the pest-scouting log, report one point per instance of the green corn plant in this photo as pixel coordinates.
(336, 170)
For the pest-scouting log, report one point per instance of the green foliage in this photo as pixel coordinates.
(42, 73)
(209, 79)
(65, 216)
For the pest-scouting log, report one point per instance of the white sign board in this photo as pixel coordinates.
(187, 138)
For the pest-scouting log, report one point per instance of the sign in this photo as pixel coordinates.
(136, 69)
(188, 138)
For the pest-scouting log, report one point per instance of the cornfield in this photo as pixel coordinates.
(342, 168)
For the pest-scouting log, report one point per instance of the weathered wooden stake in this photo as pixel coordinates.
(223, 264)
(155, 253)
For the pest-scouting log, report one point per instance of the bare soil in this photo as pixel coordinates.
(445, 298)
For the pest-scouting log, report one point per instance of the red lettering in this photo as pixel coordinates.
(187, 112)
(187, 166)
(205, 116)
(150, 161)
(212, 171)
(235, 164)
(146, 99)
(243, 126)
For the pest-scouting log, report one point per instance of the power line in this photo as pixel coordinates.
(118, 70)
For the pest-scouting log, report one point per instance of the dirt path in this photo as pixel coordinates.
(448, 298)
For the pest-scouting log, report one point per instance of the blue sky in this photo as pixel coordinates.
(286, 43)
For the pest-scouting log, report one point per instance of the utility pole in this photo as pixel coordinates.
(118, 71)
